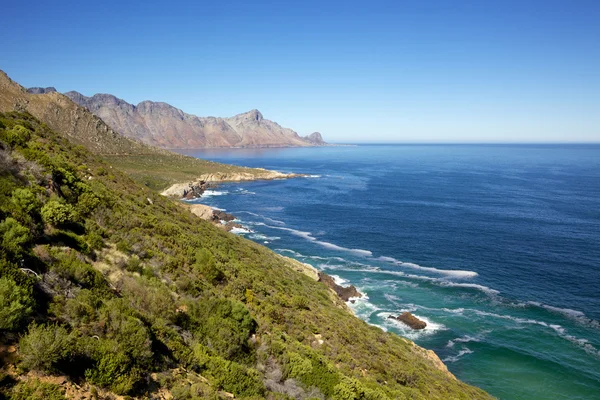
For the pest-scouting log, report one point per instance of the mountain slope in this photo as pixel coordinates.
(120, 290)
(161, 168)
(162, 125)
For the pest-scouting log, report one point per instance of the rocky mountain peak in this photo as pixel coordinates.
(41, 90)
(315, 138)
(252, 115)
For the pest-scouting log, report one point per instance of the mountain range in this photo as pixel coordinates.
(162, 125)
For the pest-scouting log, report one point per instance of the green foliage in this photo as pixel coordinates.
(16, 303)
(25, 200)
(34, 389)
(72, 267)
(18, 135)
(224, 326)
(56, 213)
(229, 375)
(44, 346)
(14, 237)
(207, 266)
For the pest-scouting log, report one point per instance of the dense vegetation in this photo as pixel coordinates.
(123, 291)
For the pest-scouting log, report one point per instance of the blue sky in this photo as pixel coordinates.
(400, 71)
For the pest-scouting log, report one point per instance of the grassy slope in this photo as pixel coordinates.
(158, 171)
(177, 292)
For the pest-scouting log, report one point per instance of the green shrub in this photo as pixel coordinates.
(207, 266)
(224, 326)
(14, 236)
(18, 135)
(235, 378)
(34, 389)
(44, 346)
(56, 213)
(16, 304)
(25, 200)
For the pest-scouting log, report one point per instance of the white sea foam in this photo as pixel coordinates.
(212, 193)
(447, 272)
(461, 353)
(574, 315)
(271, 220)
(467, 339)
(292, 252)
(482, 288)
(339, 280)
(238, 231)
(332, 246)
(313, 176)
(407, 331)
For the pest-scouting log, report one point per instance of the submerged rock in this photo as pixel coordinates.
(345, 293)
(410, 320)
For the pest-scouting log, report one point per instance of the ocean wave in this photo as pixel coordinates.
(458, 356)
(260, 236)
(332, 246)
(312, 176)
(239, 231)
(475, 286)
(574, 315)
(244, 191)
(271, 220)
(407, 331)
(468, 338)
(292, 252)
(339, 280)
(558, 329)
(212, 193)
(448, 272)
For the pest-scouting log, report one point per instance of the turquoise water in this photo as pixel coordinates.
(496, 247)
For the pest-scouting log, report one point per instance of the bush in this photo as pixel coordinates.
(207, 266)
(13, 236)
(56, 213)
(25, 200)
(235, 378)
(17, 136)
(44, 346)
(16, 304)
(224, 327)
(34, 389)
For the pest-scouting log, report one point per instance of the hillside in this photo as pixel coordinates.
(153, 167)
(108, 288)
(160, 124)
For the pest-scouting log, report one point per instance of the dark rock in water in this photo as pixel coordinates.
(195, 191)
(222, 216)
(345, 293)
(410, 320)
(230, 225)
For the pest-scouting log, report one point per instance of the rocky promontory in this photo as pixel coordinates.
(410, 320)
(345, 293)
(195, 189)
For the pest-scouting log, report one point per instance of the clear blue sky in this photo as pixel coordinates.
(395, 71)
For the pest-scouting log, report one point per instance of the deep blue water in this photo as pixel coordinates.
(497, 247)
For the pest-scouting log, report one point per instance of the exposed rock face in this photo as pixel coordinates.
(162, 125)
(64, 116)
(315, 138)
(182, 190)
(410, 320)
(219, 215)
(345, 293)
(40, 90)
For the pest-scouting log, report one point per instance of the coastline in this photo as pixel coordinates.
(208, 213)
(258, 174)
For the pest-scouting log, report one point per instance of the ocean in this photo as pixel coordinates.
(496, 247)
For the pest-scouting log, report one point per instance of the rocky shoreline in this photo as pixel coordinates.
(194, 189)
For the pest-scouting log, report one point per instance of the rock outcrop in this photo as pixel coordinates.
(41, 90)
(345, 293)
(410, 320)
(160, 124)
(315, 138)
(181, 190)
